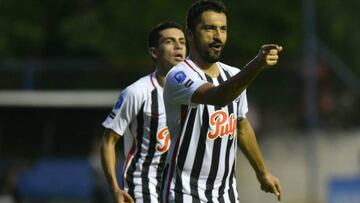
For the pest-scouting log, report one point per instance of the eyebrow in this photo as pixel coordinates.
(213, 25)
(173, 38)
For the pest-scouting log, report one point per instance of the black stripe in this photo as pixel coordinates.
(139, 140)
(199, 156)
(213, 169)
(163, 188)
(182, 155)
(221, 199)
(183, 113)
(227, 74)
(159, 173)
(232, 192)
(151, 147)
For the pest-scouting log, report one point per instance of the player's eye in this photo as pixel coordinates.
(168, 41)
(208, 28)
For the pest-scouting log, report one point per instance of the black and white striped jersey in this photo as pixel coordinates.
(139, 115)
(201, 160)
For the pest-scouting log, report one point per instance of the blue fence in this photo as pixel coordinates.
(344, 190)
(54, 179)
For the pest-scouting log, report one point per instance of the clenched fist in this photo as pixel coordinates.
(268, 55)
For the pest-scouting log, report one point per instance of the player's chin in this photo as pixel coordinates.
(177, 60)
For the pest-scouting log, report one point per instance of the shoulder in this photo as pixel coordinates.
(180, 73)
(180, 67)
(140, 87)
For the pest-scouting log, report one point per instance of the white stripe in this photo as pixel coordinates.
(235, 190)
(226, 197)
(187, 198)
(153, 193)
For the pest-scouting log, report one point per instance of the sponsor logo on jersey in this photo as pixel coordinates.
(180, 77)
(163, 138)
(221, 125)
(119, 103)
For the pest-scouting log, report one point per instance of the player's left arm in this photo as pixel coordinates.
(249, 146)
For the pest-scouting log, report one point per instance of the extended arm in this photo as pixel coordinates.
(248, 145)
(231, 88)
(108, 158)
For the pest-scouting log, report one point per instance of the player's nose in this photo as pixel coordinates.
(179, 45)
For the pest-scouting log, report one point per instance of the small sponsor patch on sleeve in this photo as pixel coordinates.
(180, 77)
(188, 83)
(112, 115)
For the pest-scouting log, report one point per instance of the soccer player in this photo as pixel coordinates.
(139, 117)
(206, 108)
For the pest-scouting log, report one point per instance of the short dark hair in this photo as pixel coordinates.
(199, 7)
(154, 34)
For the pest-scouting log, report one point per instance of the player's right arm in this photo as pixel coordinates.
(108, 160)
(124, 110)
(231, 88)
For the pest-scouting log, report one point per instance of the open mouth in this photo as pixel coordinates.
(216, 47)
(179, 57)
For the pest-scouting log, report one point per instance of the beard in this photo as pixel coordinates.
(210, 57)
(207, 54)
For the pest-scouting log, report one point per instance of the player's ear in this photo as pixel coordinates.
(153, 53)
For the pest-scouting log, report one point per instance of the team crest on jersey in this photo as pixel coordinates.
(163, 138)
(221, 125)
(180, 77)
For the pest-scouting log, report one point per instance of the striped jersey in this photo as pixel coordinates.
(139, 115)
(201, 160)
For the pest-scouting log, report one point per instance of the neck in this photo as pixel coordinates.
(160, 76)
(210, 69)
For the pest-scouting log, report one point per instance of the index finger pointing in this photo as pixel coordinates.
(278, 191)
(268, 47)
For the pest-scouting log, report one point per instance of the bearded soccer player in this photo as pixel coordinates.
(138, 117)
(206, 108)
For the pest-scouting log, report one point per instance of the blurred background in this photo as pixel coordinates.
(63, 63)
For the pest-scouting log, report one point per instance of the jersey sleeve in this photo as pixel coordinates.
(242, 105)
(125, 109)
(180, 85)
